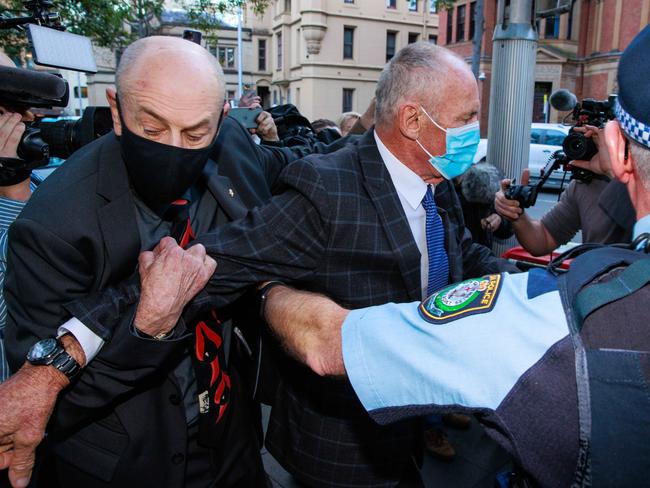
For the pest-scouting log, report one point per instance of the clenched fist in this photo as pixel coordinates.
(170, 277)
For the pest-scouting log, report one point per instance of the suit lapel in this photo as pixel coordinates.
(117, 217)
(384, 197)
(224, 192)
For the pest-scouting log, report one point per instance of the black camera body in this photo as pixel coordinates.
(590, 112)
(61, 138)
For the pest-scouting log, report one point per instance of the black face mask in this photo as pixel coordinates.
(161, 174)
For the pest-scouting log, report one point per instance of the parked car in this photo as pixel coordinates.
(545, 139)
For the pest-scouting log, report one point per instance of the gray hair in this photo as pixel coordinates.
(412, 72)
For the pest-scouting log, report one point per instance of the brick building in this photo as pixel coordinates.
(578, 50)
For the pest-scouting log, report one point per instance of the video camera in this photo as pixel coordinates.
(526, 195)
(22, 89)
(590, 112)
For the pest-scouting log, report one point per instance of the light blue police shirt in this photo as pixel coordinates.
(466, 345)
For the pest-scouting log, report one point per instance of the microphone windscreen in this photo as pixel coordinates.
(31, 84)
(480, 183)
(563, 100)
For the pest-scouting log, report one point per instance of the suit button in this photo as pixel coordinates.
(178, 458)
(174, 399)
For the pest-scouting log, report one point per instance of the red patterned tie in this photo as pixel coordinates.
(213, 381)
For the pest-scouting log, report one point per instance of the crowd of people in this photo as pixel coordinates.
(178, 272)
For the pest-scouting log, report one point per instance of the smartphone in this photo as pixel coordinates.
(245, 116)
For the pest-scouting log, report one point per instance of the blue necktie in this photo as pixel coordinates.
(438, 262)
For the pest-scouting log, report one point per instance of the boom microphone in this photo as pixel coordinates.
(480, 183)
(563, 100)
(30, 88)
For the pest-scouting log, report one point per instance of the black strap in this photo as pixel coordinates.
(582, 478)
(636, 276)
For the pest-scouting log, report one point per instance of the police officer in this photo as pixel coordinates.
(557, 368)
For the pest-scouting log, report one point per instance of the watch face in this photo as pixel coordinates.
(41, 350)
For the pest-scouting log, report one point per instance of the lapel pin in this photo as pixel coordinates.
(231, 193)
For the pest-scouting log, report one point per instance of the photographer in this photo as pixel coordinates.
(599, 207)
(15, 189)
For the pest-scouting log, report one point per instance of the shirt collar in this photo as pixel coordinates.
(642, 226)
(408, 184)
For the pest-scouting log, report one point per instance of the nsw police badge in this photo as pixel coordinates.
(468, 297)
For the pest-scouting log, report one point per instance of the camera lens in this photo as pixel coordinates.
(577, 146)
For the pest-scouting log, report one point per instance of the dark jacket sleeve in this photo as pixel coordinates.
(283, 240)
(44, 273)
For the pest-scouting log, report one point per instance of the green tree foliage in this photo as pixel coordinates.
(116, 23)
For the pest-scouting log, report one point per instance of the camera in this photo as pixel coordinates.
(61, 138)
(526, 195)
(590, 112)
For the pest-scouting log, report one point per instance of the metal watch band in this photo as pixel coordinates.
(66, 364)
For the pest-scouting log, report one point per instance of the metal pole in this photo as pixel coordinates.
(240, 73)
(514, 48)
(81, 108)
(477, 42)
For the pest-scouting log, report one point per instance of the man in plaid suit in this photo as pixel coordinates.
(347, 225)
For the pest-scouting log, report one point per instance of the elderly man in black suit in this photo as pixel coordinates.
(358, 226)
(132, 418)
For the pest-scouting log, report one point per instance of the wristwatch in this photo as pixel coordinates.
(51, 352)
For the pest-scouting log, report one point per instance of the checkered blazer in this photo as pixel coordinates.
(338, 228)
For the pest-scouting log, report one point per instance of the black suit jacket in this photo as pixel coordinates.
(122, 421)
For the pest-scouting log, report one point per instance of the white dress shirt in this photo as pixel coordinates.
(410, 190)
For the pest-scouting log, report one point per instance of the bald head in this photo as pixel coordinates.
(419, 72)
(170, 91)
(174, 58)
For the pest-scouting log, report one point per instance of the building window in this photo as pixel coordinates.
(348, 95)
(433, 8)
(230, 95)
(413, 5)
(275, 97)
(348, 42)
(391, 43)
(569, 31)
(226, 56)
(348, 1)
(413, 37)
(552, 29)
(261, 54)
(450, 24)
(433, 39)
(287, 6)
(391, 3)
(84, 92)
(460, 23)
(472, 19)
(279, 47)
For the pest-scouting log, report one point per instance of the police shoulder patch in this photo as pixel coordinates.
(468, 297)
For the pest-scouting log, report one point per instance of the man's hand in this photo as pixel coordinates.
(11, 130)
(26, 402)
(170, 277)
(508, 209)
(600, 163)
(266, 128)
(491, 223)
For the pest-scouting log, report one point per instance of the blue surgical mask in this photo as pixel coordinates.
(462, 143)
